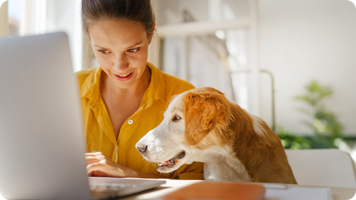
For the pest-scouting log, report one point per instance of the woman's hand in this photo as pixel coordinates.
(99, 165)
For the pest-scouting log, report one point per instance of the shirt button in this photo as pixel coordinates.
(130, 121)
(115, 148)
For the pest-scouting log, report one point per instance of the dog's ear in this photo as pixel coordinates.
(203, 108)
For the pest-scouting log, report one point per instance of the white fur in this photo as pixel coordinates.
(220, 165)
(257, 125)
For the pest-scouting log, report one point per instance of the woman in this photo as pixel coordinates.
(125, 97)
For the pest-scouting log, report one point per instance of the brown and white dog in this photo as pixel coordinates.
(202, 125)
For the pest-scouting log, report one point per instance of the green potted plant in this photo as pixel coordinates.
(325, 125)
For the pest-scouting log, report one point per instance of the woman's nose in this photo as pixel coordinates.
(120, 63)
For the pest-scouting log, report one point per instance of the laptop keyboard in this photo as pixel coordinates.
(101, 187)
(109, 188)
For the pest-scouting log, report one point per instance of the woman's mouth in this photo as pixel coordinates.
(123, 77)
(170, 163)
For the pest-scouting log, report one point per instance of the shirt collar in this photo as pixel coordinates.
(90, 88)
(156, 90)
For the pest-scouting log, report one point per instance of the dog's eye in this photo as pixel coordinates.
(176, 118)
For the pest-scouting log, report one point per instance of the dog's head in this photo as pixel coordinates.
(189, 126)
(202, 125)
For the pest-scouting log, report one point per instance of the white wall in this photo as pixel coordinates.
(304, 40)
(65, 15)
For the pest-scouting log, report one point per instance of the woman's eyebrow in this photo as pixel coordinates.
(138, 43)
(99, 46)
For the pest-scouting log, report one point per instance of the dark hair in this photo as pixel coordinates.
(134, 10)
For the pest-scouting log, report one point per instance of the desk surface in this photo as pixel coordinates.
(173, 185)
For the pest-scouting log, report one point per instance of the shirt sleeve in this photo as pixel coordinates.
(193, 171)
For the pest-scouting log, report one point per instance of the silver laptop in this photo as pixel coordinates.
(42, 141)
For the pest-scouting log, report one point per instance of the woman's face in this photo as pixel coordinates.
(120, 47)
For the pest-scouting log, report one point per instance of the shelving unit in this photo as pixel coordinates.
(208, 27)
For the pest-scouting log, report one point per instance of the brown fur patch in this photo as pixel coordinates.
(210, 104)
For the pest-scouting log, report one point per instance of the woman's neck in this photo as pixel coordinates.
(135, 91)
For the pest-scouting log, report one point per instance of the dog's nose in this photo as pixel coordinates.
(141, 148)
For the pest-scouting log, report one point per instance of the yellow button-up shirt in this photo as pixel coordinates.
(99, 131)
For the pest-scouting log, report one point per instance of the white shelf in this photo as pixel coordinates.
(201, 28)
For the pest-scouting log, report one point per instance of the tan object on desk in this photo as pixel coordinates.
(218, 190)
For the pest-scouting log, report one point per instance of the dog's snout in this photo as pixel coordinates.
(141, 148)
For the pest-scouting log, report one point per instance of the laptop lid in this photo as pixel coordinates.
(41, 131)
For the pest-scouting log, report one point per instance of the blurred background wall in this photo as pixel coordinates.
(232, 45)
(304, 40)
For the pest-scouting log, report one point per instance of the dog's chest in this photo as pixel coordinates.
(226, 171)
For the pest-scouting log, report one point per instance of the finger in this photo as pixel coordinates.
(105, 168)
(95, 156)
(92, 160)
(98, 174)
(96, 167)
(94, 153)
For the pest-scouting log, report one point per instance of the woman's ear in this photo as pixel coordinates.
(202, 111)
(152, 32)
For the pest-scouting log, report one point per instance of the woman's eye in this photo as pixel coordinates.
(133, 50)
(104, 51)
(176, 118)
